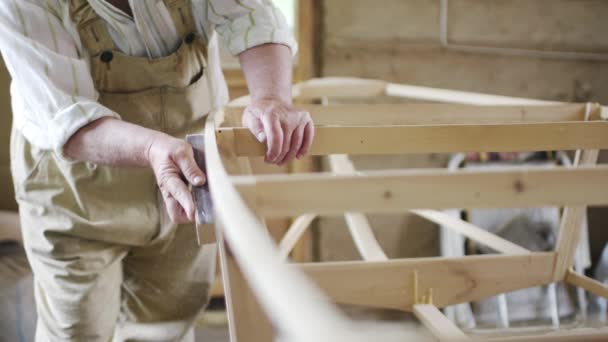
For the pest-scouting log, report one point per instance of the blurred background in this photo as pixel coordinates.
(542, 49)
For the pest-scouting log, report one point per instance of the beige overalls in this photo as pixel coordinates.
(108, 264)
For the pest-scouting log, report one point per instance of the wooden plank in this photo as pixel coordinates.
(294, 233)
(439, 325)
(389, 285)
(397, 190)
(573, 217)
(590, 285)
(305, 67)
(471, 231)
(431, 114)
(456, 96)
(571, 223)
(439, 138)
(358, 225)
(341, 87)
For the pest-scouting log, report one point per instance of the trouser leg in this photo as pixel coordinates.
(166, 286)
(76, 284)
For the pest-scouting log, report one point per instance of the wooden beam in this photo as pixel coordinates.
(471, 231)
(456, 96)
(389, 285)
(573, 217)
(360, 230)
(295, 231)
(341, 87)
(305, 67)
(432, 114)
(438, 138)
(440, 326)
(397, 190)
(590, 285)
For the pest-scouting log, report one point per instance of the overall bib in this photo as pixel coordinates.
(108, 263)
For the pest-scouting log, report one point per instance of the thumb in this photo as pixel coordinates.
(255, 126)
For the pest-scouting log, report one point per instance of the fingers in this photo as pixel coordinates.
(294, 146)
(309, 135)
(175, 210)
(184, 158)
(274, 137)
(254, 124)
(178, 191)
(285, 147)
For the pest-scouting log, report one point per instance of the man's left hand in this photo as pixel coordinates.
(287, 131)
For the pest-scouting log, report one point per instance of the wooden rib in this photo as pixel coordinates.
(472, 232)
(439, 138)
(440, 326)
(357, 223)
(455, 96)
(339, 87)
(388, 284)
(590, 285)
(295, 231)
(396, 190)
(573, 217)
(431, 114)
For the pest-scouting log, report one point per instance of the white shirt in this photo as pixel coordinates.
(52, 89)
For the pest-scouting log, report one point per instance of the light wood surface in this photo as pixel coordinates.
(397, 190)
(433, 114)
(590, 285)
(440, 138)
(389, 284)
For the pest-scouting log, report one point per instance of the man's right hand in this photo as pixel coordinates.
(173, 161)
(117, 143)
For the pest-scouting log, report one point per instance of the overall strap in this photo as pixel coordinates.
(181, 13)
(91, 28)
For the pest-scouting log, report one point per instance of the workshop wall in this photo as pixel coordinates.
(399, 41)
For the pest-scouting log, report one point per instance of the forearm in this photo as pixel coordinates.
(111, 142)
(268, 71)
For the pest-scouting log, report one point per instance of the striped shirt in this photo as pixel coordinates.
(52, 89)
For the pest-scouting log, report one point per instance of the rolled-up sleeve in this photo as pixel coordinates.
(244, 24)
(52, 88)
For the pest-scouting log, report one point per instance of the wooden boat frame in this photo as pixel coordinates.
(269, 298)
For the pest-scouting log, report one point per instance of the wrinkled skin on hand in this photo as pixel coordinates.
(287, 131)
(173, 160)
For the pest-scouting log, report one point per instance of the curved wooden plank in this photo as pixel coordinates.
(472, 232)
(295, 231)
(278, 287)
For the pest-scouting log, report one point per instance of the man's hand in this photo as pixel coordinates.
(287, 131)
(173, 160)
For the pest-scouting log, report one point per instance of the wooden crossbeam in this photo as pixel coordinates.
(397, 190)
(590, 285)
(432, 114)
(439, 325)
(435, 138)
(389, 285)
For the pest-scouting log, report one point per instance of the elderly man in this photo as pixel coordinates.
(103, 93)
